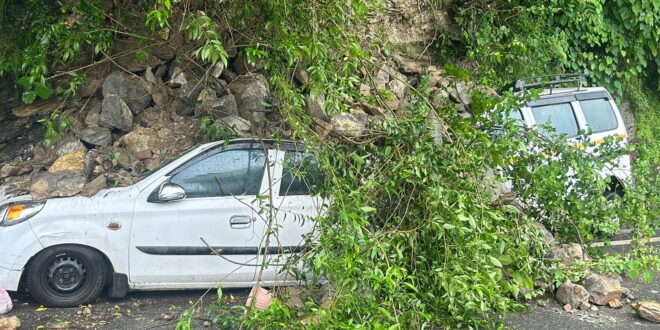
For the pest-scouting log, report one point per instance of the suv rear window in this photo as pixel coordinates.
(300, 173)
(560, 116)
(599, 115)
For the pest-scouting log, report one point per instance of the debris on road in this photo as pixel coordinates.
(572, 294)
(261, 297)
(603, 289)
(5, 302)
(10, 323)
(649, 310)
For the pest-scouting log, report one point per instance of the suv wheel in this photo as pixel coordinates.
(66, 276)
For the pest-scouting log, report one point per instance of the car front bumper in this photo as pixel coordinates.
(17, 245)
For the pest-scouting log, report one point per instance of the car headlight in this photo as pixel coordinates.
(18, 212)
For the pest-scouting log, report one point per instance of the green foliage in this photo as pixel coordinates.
(55, 125)
(202, 27)
(42, 34)
(215, 130)
(611, 41)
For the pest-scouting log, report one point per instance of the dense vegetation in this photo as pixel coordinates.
(413, 238)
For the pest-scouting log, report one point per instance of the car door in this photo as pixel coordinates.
(171, 243)
(292, 213)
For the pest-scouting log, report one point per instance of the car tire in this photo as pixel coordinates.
(66, 276)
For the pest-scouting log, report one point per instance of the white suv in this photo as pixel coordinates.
(571, 110)
(196, 222)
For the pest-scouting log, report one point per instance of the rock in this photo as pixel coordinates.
(187, 95)
(96, 136)
(56, 184)
(603, 289)
(142, 140)
(649, 310)
(365, 90)
(124, 160)
(293, 297)
(115, 113)
(68, 146)
(593, 308)
(615, 303)
(572, 294)
(242, 66)
(95, 186)
(131, 89)
(568, 308)
(15, 168)
(585, 306)
(301, 75)
(178, 77)
(10, 323)
(545, 234)
(217, 69)
(314, 106)
(74, 161)
(252, 95)
(382, 77)
(150, 77)
(346, 124)
(228, 76)
(567, 254)
(322, 127)
(218, 107)
(93, 81)
(92, 117)
(237, 124)
(409, 66)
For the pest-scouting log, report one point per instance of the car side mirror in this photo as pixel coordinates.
(168, 192)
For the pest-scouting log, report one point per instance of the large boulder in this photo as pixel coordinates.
(56, 184)
(252, 95)
(74, 161)
(68, 146)
(573, 294)
(15, 168)
(237, 124)
(131, 89)
(649, 310)
(115, 113)
(567, 254)
(347, 124)
(603, 289)
(218, 107)
(142, 142)
(96, 136)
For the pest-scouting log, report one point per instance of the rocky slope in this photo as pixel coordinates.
(129, 115)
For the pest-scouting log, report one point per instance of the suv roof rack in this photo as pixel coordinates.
(547, 80)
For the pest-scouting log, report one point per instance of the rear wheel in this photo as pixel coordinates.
(66, 276)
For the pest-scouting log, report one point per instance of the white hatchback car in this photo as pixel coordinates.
(572, 110)
(196, 222)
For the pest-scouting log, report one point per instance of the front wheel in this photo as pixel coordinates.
(66, 276)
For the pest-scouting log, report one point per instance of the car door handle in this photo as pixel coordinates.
(240, 221)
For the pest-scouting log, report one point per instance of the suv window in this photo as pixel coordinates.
(599, 115)
(300, 173)
(228, 173)
(560, 116)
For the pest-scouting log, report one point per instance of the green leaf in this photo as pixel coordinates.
(495, 262)
(43, 91)
(29, 97)
(367, 209)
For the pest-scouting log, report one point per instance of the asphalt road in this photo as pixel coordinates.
(161, 310)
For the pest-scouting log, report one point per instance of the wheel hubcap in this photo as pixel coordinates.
(66, 274)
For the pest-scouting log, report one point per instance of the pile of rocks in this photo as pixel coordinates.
(132, 115)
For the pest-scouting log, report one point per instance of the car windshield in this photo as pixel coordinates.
(165, 163)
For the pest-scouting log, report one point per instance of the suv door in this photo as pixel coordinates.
(293, 211)
(170, 242)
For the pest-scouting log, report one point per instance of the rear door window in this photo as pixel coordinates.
(599, 115)
(559, 116)
(300, 174)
